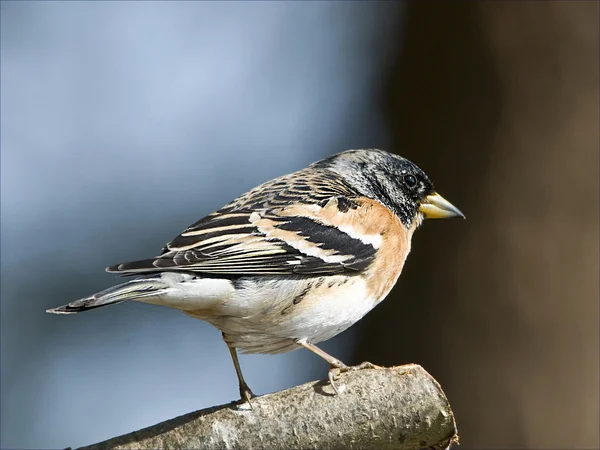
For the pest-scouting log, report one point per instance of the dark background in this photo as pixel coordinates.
(122, 123)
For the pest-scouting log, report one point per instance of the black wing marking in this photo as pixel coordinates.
(247, 236)
(275, 245)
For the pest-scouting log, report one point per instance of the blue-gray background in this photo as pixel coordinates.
(122, 123)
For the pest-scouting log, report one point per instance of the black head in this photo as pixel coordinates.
(394, 181)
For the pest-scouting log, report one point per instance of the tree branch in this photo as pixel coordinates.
(396, 408)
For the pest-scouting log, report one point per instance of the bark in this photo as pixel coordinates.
(397, 408)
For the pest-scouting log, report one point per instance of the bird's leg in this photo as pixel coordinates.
(337, 367)
(334, 362)
(245, 392)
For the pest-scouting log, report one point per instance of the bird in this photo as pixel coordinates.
(294, 261)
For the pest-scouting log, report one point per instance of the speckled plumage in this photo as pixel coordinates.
(294, 261)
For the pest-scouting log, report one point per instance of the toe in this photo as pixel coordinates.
(332, 374)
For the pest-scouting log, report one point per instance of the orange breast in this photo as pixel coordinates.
(373, 223)
(382, 275)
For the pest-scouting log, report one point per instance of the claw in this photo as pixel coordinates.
(335, 372)
(246, 395)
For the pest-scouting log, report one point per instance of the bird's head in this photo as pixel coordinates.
(394, 181)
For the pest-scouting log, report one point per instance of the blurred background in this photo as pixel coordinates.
(124, 122)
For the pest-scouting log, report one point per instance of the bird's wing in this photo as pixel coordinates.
(292, 225)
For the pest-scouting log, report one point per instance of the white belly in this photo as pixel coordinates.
(268, 314)
(262, 317)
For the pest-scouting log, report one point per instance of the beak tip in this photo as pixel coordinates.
(437, 207)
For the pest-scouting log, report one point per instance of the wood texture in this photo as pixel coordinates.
(397, 408)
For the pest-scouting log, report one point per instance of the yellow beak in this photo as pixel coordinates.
(434, 206)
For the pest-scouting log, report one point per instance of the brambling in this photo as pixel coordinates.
(294, 261)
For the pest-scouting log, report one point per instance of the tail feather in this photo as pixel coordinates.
(134, 289)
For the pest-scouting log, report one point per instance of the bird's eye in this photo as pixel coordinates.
(410, 181)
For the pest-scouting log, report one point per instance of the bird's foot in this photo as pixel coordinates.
(246, 395)
(335, 372)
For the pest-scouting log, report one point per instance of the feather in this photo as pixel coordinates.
(275, 228)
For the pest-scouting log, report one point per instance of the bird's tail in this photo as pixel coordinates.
(132, 290)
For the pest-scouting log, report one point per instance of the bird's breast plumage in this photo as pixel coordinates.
(268, 314)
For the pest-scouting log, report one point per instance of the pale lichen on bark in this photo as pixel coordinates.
(396, 408)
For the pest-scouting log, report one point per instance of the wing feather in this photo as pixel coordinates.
(273, 229)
